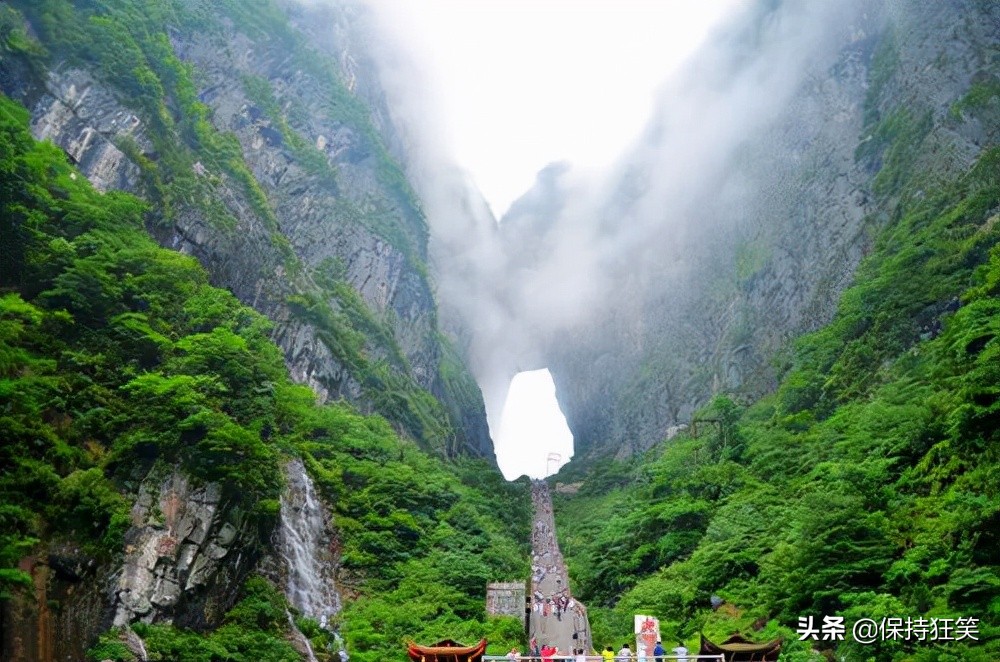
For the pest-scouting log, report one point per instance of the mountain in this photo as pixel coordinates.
(266, 166)
(232, 423)
(734, 223)
(242, 302)
(743, 477)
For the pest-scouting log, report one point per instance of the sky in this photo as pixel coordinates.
(514, 85)
(523, 83)
(532, 437)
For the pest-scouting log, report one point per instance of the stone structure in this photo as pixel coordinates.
(506, 599)
(557, 618)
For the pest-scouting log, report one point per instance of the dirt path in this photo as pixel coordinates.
(550, 623)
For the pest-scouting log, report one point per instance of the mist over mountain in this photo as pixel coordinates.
(256, 326)
(728, 228)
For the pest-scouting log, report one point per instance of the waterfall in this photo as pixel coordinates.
(301, 639)
(135, 644)
(305, 545)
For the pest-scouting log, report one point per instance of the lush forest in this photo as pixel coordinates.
(127, 45)
(867, 485)
(117, 359)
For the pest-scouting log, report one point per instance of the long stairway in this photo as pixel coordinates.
(565, 626)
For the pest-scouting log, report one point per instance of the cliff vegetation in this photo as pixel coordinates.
(230, 188)
(865, 487)
(119, 359)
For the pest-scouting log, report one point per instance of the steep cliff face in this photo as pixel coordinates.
(64, 610)
(256, 157)
(770, 250)
(147, 417)
(772, 234)
(280, 185)
(185, 554)
(187, 551)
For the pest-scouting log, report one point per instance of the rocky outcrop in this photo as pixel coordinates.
(62, 614)
(185, 556)
(335, 203)
(83, 118)
(326, 219)
(772, 232)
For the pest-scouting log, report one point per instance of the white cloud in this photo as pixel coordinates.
(503, 87)
(523, 83)
(532, 438)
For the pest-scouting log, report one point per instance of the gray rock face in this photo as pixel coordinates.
(183, 543)
(703, 307)
(339, 218)
(187, 554)
(82, 118)
(322, 221)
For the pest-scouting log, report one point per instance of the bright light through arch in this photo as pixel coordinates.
(532, 428)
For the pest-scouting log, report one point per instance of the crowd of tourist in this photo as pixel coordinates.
(555, 615)
(549, 653)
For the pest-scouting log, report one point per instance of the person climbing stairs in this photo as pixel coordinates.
(557, 618)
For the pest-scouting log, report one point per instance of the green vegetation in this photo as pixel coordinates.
(115, 355)
(118, 358)
(867, 486)
(428, 565)
(144, 21)
(192, 167)
(255, 629)
(125, 43)
(896, 139)
(893, 135)
(311, 159)
(367, 348)
(14, 40)
(885, 60)
(751, 257)
(401, 222)
(979, 96)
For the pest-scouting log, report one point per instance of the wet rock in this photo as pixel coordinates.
(72, 566)
(135, 644)
(306, 543)
(176, 552)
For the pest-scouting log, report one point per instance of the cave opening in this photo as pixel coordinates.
(533, 438)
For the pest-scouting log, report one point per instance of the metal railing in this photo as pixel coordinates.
(692, 657)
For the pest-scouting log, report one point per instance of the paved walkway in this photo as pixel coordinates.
(555, 615)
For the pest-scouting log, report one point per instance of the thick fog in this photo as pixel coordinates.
(568, 250)
(583, 249)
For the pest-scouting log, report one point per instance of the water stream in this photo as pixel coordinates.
(305, 545)
(302, 639)
(136, 644)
